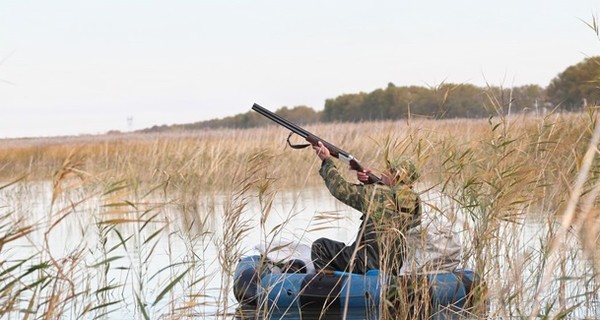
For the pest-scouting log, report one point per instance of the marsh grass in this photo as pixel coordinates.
(123, 204)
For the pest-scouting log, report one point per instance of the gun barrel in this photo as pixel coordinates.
(335, 151)
(281, 121)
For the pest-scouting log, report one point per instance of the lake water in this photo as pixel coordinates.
(145, 256)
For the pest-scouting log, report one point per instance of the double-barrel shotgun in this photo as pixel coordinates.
(314, 140)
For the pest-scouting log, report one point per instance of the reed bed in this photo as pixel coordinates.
(113, 205)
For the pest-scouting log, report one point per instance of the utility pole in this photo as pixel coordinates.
(129, 123)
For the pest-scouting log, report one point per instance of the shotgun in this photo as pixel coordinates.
(314, 140)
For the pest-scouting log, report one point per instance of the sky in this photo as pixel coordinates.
(86, 67)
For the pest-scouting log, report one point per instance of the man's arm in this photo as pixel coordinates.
(348, 193)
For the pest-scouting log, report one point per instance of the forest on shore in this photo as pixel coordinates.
(574, 88)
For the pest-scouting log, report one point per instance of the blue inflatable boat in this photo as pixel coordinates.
(255, 283)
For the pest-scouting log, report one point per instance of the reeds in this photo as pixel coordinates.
(152, 225)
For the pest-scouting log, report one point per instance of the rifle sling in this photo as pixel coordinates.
(296, 146)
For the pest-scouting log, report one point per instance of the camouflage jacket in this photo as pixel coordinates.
(387, 213)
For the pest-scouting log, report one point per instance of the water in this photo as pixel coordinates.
(330, 314)
(141, 266)
(139, 261)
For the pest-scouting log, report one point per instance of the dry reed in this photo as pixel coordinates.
(131, 193)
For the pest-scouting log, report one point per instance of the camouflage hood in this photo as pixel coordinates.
(404, 167)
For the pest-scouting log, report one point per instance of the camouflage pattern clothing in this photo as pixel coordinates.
(387, 213)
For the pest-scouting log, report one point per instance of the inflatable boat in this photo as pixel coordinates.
(259, 282)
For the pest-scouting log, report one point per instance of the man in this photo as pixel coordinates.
(388, 210)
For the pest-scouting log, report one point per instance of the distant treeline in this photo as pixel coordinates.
(574, 88)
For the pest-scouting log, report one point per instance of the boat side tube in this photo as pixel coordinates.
(257, 285)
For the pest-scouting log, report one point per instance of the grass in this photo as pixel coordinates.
(132, 200)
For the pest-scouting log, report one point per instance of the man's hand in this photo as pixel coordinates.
(363, 176)
(322, 152)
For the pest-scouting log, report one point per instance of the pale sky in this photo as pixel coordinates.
(85, 67)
